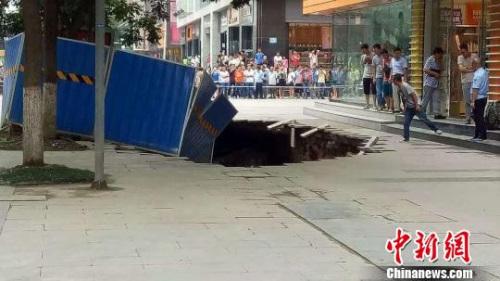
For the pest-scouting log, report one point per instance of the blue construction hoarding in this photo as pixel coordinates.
(210, 115)
(13, 79)
(150, 103)
(150, 109)
(75, 87)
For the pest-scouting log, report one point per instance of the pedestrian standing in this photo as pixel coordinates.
(272, 78)
(259, 57)
(411, 107)
(278, 59)
(224, 79)
(379, 102)
(465, 66)
(387, 88)
(368, 72)
(432, 74)
(249, 81)
(307, 82)
(479, 98)
(321, 82)
(282, 75)
(259, 83)
(295, 59)
(313, 58)
(239, 79)
(298, 81)
(399, 65)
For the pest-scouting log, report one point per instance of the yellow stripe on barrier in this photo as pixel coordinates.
(61, 75)
(87, 80)
(73, 77)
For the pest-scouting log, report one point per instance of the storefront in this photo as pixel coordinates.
(237, 30)
(415, 26)
(307, 33)
(461, 21)
(192, 45)
(386, 24)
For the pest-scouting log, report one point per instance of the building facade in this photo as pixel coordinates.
(416, 26)
(207, 28)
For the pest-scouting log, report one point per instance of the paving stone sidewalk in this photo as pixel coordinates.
(171, 219)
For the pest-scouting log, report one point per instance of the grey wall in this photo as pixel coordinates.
(271, 22)
(294, 11)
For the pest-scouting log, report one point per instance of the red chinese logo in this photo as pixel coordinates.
(427, 246)
(397, 245)
(457, 246)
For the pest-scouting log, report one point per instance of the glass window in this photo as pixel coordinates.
(387, 24)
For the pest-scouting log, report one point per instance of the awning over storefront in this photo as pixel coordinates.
(327, 7)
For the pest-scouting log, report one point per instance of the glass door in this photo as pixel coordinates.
(465, 25)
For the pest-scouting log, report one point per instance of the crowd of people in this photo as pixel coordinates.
(384, 77)
(260, 77)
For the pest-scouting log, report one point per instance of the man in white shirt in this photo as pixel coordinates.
(479, 98)
(399, 65)
(278, 60)
(379, 101)
(249, 81)
(272, 81)
(368, 72)
(224, 80)
(465, 66)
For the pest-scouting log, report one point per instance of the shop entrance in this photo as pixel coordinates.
(462, 21)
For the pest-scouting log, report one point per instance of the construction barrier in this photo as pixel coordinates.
(150, 103)
(147, 101)
(75, 88)
(211, 113)
(13, 80)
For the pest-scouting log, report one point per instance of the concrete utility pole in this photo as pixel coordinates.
(165, 38)
(100, 28)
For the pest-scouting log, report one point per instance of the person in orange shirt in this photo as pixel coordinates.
(239, 79)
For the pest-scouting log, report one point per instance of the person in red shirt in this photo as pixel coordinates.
(295, 59)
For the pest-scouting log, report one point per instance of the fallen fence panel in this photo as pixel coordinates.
(147, 101)
(211, 113)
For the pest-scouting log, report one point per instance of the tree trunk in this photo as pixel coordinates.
(32, 99)
(49, 86)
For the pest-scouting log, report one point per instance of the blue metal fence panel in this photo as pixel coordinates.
(209, 116)
(13, 79)
(75, 100)
(147, 101)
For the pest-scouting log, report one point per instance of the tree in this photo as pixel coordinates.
(32, 96)
(50, 78)
(11, 22)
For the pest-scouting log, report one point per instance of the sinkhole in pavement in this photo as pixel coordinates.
(251, 144)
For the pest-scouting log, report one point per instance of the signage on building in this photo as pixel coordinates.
(246, 15)
(233, 16)
(246, 11)
(223, 18)
(273, 40)
(473, 13)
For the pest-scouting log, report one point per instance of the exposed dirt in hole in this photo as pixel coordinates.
(250, 144)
